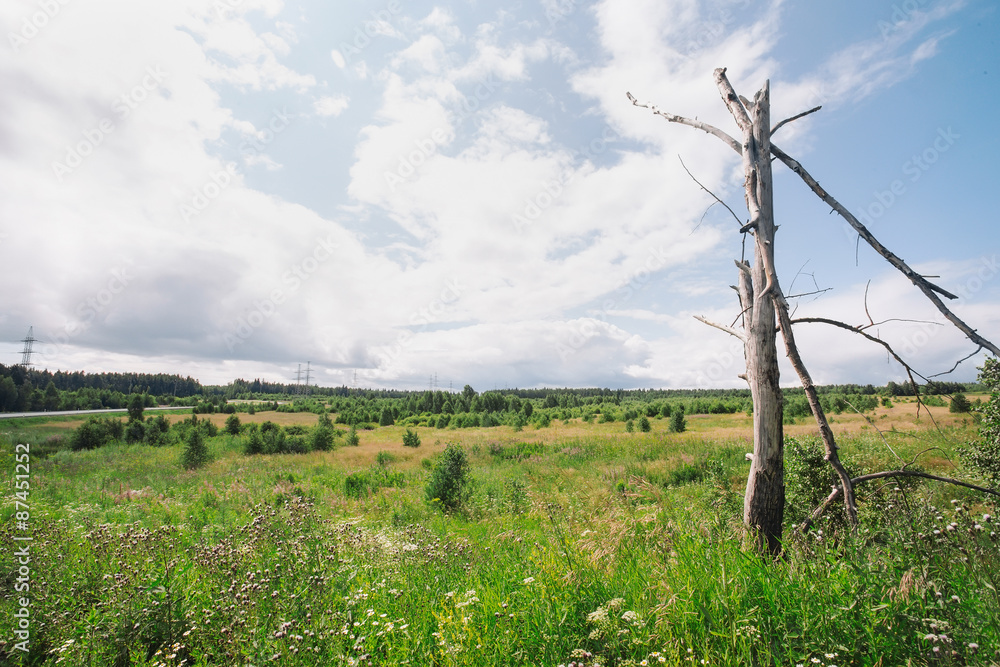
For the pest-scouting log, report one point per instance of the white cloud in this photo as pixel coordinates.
(488, 247)
(331, 106)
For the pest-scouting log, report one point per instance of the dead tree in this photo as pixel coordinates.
(765, 311)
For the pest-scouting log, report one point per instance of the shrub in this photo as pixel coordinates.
(195, 451)
(158, 432)
(644, 425)
(983, 456)
(136, 404)
(135, 431)
(233, 424)
(353, 440)
(410, 438)
(295, 444)
(629, 426)
(449, 483)
(677, 422)
(96, 433)
(809, 478)
(384, 458)
(274, 438)
(322, 439)
(385, 419)
(959, 404)
(254, 443)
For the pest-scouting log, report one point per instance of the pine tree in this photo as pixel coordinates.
(195, 451)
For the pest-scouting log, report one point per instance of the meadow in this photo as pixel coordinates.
(578, 543)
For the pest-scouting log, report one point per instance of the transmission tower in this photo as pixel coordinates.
(298, 379)
(26, 352)
(308, 373)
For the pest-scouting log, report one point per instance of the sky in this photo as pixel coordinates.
(413, 194)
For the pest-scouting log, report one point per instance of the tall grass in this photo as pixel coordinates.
(607, 549)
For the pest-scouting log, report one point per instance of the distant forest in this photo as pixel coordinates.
(30, 390)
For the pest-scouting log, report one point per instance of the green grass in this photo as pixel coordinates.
(596, 547)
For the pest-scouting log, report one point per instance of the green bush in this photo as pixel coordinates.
(321, 439)
(677, 422)
(644, 424)
(135, 432)
(410, 438)
(195, 451)
(982, 457)
(96, 433)
(233, 424)
(449, 483)
(254, 442)
(959, 404)
(353, 439)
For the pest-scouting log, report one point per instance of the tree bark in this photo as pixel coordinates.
(764, 501)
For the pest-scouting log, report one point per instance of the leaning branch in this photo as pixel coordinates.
(929, 289)
(829, 442)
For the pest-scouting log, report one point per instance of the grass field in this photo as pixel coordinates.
(579, 544)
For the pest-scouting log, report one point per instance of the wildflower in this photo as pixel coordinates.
(528, 580)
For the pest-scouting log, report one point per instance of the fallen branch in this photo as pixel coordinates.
(818, 512)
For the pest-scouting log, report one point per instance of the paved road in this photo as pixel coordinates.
(65, 413)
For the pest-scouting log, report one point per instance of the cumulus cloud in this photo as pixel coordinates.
(499, 213)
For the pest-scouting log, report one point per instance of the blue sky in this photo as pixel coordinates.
(393, 190)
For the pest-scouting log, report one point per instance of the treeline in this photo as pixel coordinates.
(24, 390)
(30, 390)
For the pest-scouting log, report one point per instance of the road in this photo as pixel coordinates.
(70, 413)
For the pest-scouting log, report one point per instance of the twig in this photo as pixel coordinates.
(795, 117)
(798, 296)
(910, 372)
(733, 213)
(978, 350)
(870, 320)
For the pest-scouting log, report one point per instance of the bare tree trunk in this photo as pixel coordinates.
(764, 502)
(761, 298)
